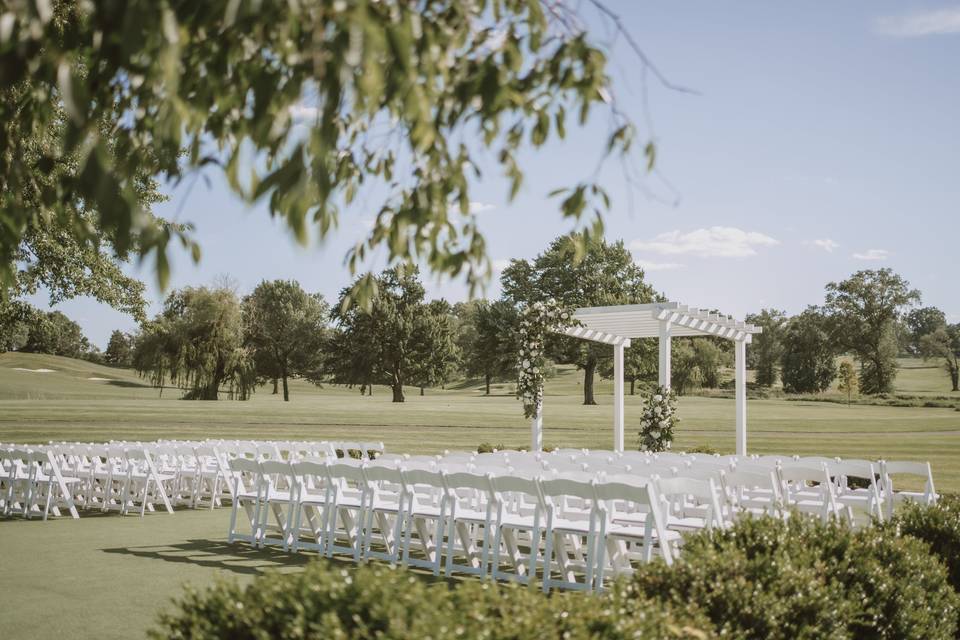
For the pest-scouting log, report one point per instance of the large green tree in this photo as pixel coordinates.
(15, 320)
(492, 352)
(808, 360)
(437, 353)
(119, 351)
(921, 322)
(334, 100)
(944, 342)
(56, 334)
(386, 341)
(766, 350)
(864, 310)
(285, 328)
(196, 342)
(578, 272)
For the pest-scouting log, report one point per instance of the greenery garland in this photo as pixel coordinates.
(536, 321)
(658, 420)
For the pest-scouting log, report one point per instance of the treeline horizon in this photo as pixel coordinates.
(208, 340)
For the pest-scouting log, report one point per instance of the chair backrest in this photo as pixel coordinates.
(678, 491)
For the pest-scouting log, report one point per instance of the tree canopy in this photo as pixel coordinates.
(767, 348)
(808, 353)
(864, 310)
(492, 351)
(578, 272)
(391, 100)
(196, 342)
(944, 342)
(284, 327)
(397, 340)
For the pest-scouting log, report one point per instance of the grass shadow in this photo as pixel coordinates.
(218, 554)
(241, 558)
(128, 384)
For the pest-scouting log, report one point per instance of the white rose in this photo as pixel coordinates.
(664, 424)
(657, 410)
(654, 434)
(658, 398)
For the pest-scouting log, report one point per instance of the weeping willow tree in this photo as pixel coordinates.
(196, 344)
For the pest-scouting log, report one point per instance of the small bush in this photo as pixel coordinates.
(938, 526)
(765, 578)
(702, 448)
(376, 601)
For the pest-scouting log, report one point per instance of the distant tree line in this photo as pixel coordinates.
(873, 316)
(207, 341)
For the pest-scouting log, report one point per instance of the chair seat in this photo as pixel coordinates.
(639, 533)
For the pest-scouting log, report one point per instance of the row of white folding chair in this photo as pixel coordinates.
(31, 483)
(455, 509)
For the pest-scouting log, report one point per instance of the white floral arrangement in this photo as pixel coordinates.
(658, 421)
(536, 321)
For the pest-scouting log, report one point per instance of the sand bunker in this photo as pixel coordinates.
(33, 370)
(101, 379)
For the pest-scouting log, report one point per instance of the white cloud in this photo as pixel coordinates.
(480, 207)
(715, 242)
(649, 265)
(920, 23)
(872, 254)
(826, 244)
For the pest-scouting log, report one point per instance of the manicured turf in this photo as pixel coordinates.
(107, 576)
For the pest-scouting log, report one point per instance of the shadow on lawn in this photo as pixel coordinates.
(242, 559)
(219, 554)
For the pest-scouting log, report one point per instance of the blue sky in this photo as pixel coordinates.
(824, 139)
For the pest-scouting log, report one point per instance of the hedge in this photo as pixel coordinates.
(328, 600)
(765, 578)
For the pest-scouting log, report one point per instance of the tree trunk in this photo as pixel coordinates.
(633, 386)
(369, 388)
(487, 379)
(397, 384)
(588, 373)
(276, 388)
(421, 390)
(286, 389)
(955, 376)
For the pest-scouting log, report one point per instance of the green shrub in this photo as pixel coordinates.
(765, 578)
(938, 526)
(376, 601)
(702, 448)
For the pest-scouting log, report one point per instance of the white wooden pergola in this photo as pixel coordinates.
(618, 325)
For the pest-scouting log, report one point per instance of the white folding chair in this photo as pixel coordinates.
(571, 534)
(51, 487)
(692, 504)
(313, 505)
(519, 516)
(471, 519)
(247, 480)
(348, 495)
(752, 492)
(383, 511)
(631, 515)
(425, 512)
(277, 498)
(919, 469)
(809, 490)
(144, 485)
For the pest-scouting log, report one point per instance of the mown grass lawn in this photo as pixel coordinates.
(107, 576)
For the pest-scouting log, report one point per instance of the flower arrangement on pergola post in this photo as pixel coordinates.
(536, 321)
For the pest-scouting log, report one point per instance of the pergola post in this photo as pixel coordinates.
(536, 430)
(664, 345)
(740, 367)
(618, 397)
